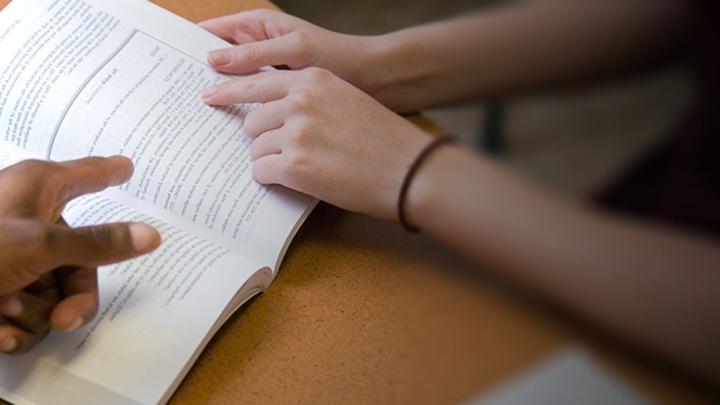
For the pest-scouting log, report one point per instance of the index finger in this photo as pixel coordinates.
(258, 88)
(92, 174)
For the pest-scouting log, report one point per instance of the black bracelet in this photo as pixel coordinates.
(432, 146)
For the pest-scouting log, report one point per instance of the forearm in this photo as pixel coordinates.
(655, 287)
(521, 45)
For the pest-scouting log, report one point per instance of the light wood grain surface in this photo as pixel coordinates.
(363, 313)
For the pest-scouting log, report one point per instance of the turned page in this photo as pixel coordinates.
(96, 77)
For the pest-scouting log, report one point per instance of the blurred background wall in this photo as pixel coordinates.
(573, 140)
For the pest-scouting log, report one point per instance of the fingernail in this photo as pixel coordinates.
(209, 92)
(217, 58)
(144, 238)
(126, 161)
(79, 321)
(8, 344)
(12, 308)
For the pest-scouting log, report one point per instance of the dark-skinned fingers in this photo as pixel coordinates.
(14, 340)
(45, 282)
(27, 312)
(92, 174)
(46, 288)
(74, 311)
(80, 298)
(26, 185)
(41, 188)
(76, 279)
(97, 245)
(39, 248)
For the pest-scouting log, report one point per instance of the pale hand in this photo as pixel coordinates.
(319, 135)
(272, 38)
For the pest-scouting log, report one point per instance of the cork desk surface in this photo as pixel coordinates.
(362, 312)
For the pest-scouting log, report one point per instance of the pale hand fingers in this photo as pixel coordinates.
(269, 170)
(242, 27)
(291, 49)
(289, 168)
(269, 143)
(265, 118)
(260, 88)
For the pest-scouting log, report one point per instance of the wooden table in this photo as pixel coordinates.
(361, 312)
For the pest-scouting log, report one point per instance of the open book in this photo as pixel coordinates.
(99, 77)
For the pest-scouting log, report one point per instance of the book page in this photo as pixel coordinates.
(94, 77)
(11, 154)
(80, 77)
(154, 315)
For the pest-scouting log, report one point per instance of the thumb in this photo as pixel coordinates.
(291, 49)
(99, 245)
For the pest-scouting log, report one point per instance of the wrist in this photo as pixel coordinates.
(394, 68)
(435, 182)
(387, 66)
(368, 62)
(424, 155)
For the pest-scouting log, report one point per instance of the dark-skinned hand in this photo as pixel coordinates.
(48, 277)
